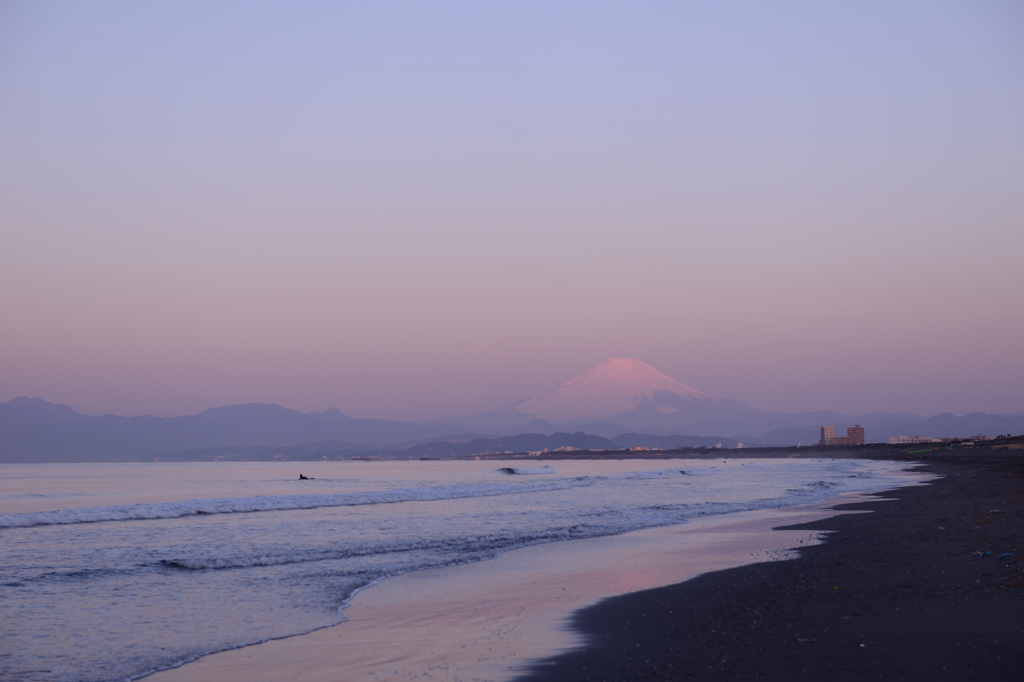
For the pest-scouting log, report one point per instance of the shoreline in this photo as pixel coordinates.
(908, 590)
(490, 620)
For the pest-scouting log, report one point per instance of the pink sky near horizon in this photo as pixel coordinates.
(412, 213)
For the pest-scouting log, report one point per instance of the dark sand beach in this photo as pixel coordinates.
(930, 585)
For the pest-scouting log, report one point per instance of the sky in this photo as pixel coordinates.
(415, 210)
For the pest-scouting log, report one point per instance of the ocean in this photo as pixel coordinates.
(114, 571)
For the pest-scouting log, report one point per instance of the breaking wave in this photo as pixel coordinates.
(241, 505)
(261, 503)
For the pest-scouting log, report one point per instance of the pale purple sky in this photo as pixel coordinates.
(416, 210)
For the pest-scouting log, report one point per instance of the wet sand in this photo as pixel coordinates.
(929, 586)
(491, 620)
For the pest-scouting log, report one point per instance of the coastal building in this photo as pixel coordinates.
(827, 434)
(908, 440)
(854, 436)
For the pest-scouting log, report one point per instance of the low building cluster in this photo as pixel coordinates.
(907, 440)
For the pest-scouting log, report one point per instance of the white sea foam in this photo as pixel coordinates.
(138, 597)
(262, 503)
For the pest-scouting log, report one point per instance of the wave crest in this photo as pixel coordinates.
(242, 505)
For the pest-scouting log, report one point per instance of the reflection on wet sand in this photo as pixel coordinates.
(484, 621)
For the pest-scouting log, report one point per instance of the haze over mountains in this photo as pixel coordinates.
(622, 399)
(614, 387)
(625, 394)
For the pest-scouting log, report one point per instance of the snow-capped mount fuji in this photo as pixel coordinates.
(618, 395)
(616, 386)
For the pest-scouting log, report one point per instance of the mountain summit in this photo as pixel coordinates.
(614, 387)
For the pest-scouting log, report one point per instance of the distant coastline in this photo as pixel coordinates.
(33, 430)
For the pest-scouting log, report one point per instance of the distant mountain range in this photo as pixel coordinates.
(621, 402)
(35, 430)
(624, 394)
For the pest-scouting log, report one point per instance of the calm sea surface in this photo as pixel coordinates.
(113, 571)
